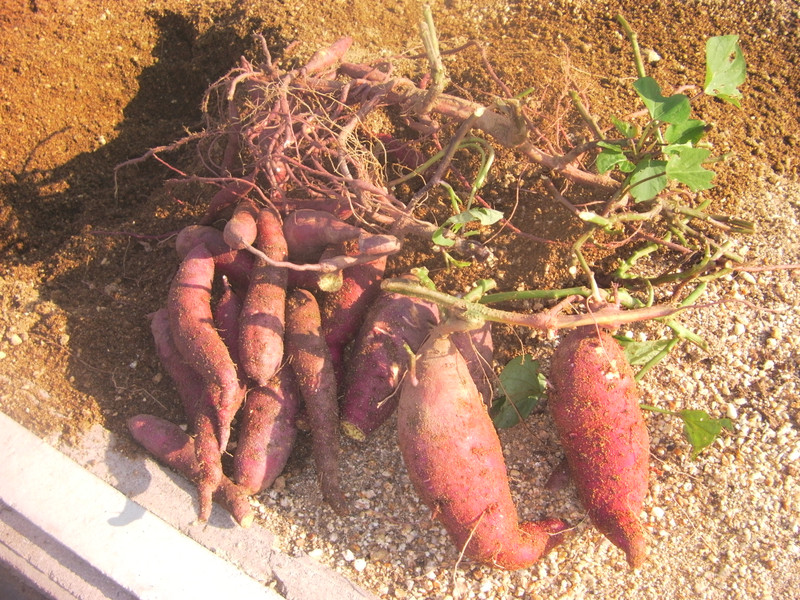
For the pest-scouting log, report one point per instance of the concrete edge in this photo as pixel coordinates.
(127, 544)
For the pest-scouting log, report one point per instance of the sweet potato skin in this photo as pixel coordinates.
(176, 449)
(312, 365)
(595, 408)
(455, 462)
(263, 313)
(268, 432)
(380, 360)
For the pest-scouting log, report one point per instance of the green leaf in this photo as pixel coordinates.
(673, 109)
(725, 68)
(648, 179)
(524, 386)
(690, 131)
(612, 156)
(484, 216)
(701, 429)
(641, 353)
(627, 129)
(686, 166)
(440, 240)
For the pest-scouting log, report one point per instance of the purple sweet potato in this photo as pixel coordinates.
(455, 462)
(594, 404)
(379, 360)
(312, 365)
(176, 449)
(263, 313)
(268, 431)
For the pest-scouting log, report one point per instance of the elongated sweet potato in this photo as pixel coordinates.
(455, 462)
(263, 313)
(268, 431)
(312, 365)
(226, 320)
(236, 265)
(344, 310)
(192, 327)
(187, 381)
(176, 449)
(594, 404)
(379, 360)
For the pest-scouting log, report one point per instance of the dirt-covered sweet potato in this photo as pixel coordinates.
(176, 449)
(595, 407)
(455, 462)
(262, 318)
(311, 363)
(268, 431)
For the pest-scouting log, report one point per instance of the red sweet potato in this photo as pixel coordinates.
(263, 313)
(188, 383)
(236, 265)
(203, 418)
(226, 320)
(176, 449)
(268, 431)
(594, 404)
(241, 230)
(308, 232)
(379, 360)
(343, 311)
(192, 327)
(455, 462)
(312, 365)
(477, 348)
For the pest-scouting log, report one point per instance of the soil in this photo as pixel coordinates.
(85, 256)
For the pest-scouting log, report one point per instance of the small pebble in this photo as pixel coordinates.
(359, 564)
(14, 339)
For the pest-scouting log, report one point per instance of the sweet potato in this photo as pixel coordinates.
(176, 449)
(192, 327)
(268, 431)
(263, 313)
(203, 418)
(477, 348)
(379, 360)
(187, 381)
(312, 365)
(308, 232)
(594, 404)
(343, 311)
(241, 230)
(236, 265)
(226, 320)
(455, 462)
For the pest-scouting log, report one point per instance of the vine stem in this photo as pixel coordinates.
(546, 321)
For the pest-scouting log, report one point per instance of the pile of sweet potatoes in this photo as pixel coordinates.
(275, 322)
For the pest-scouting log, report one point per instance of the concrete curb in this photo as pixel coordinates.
(91, 521)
